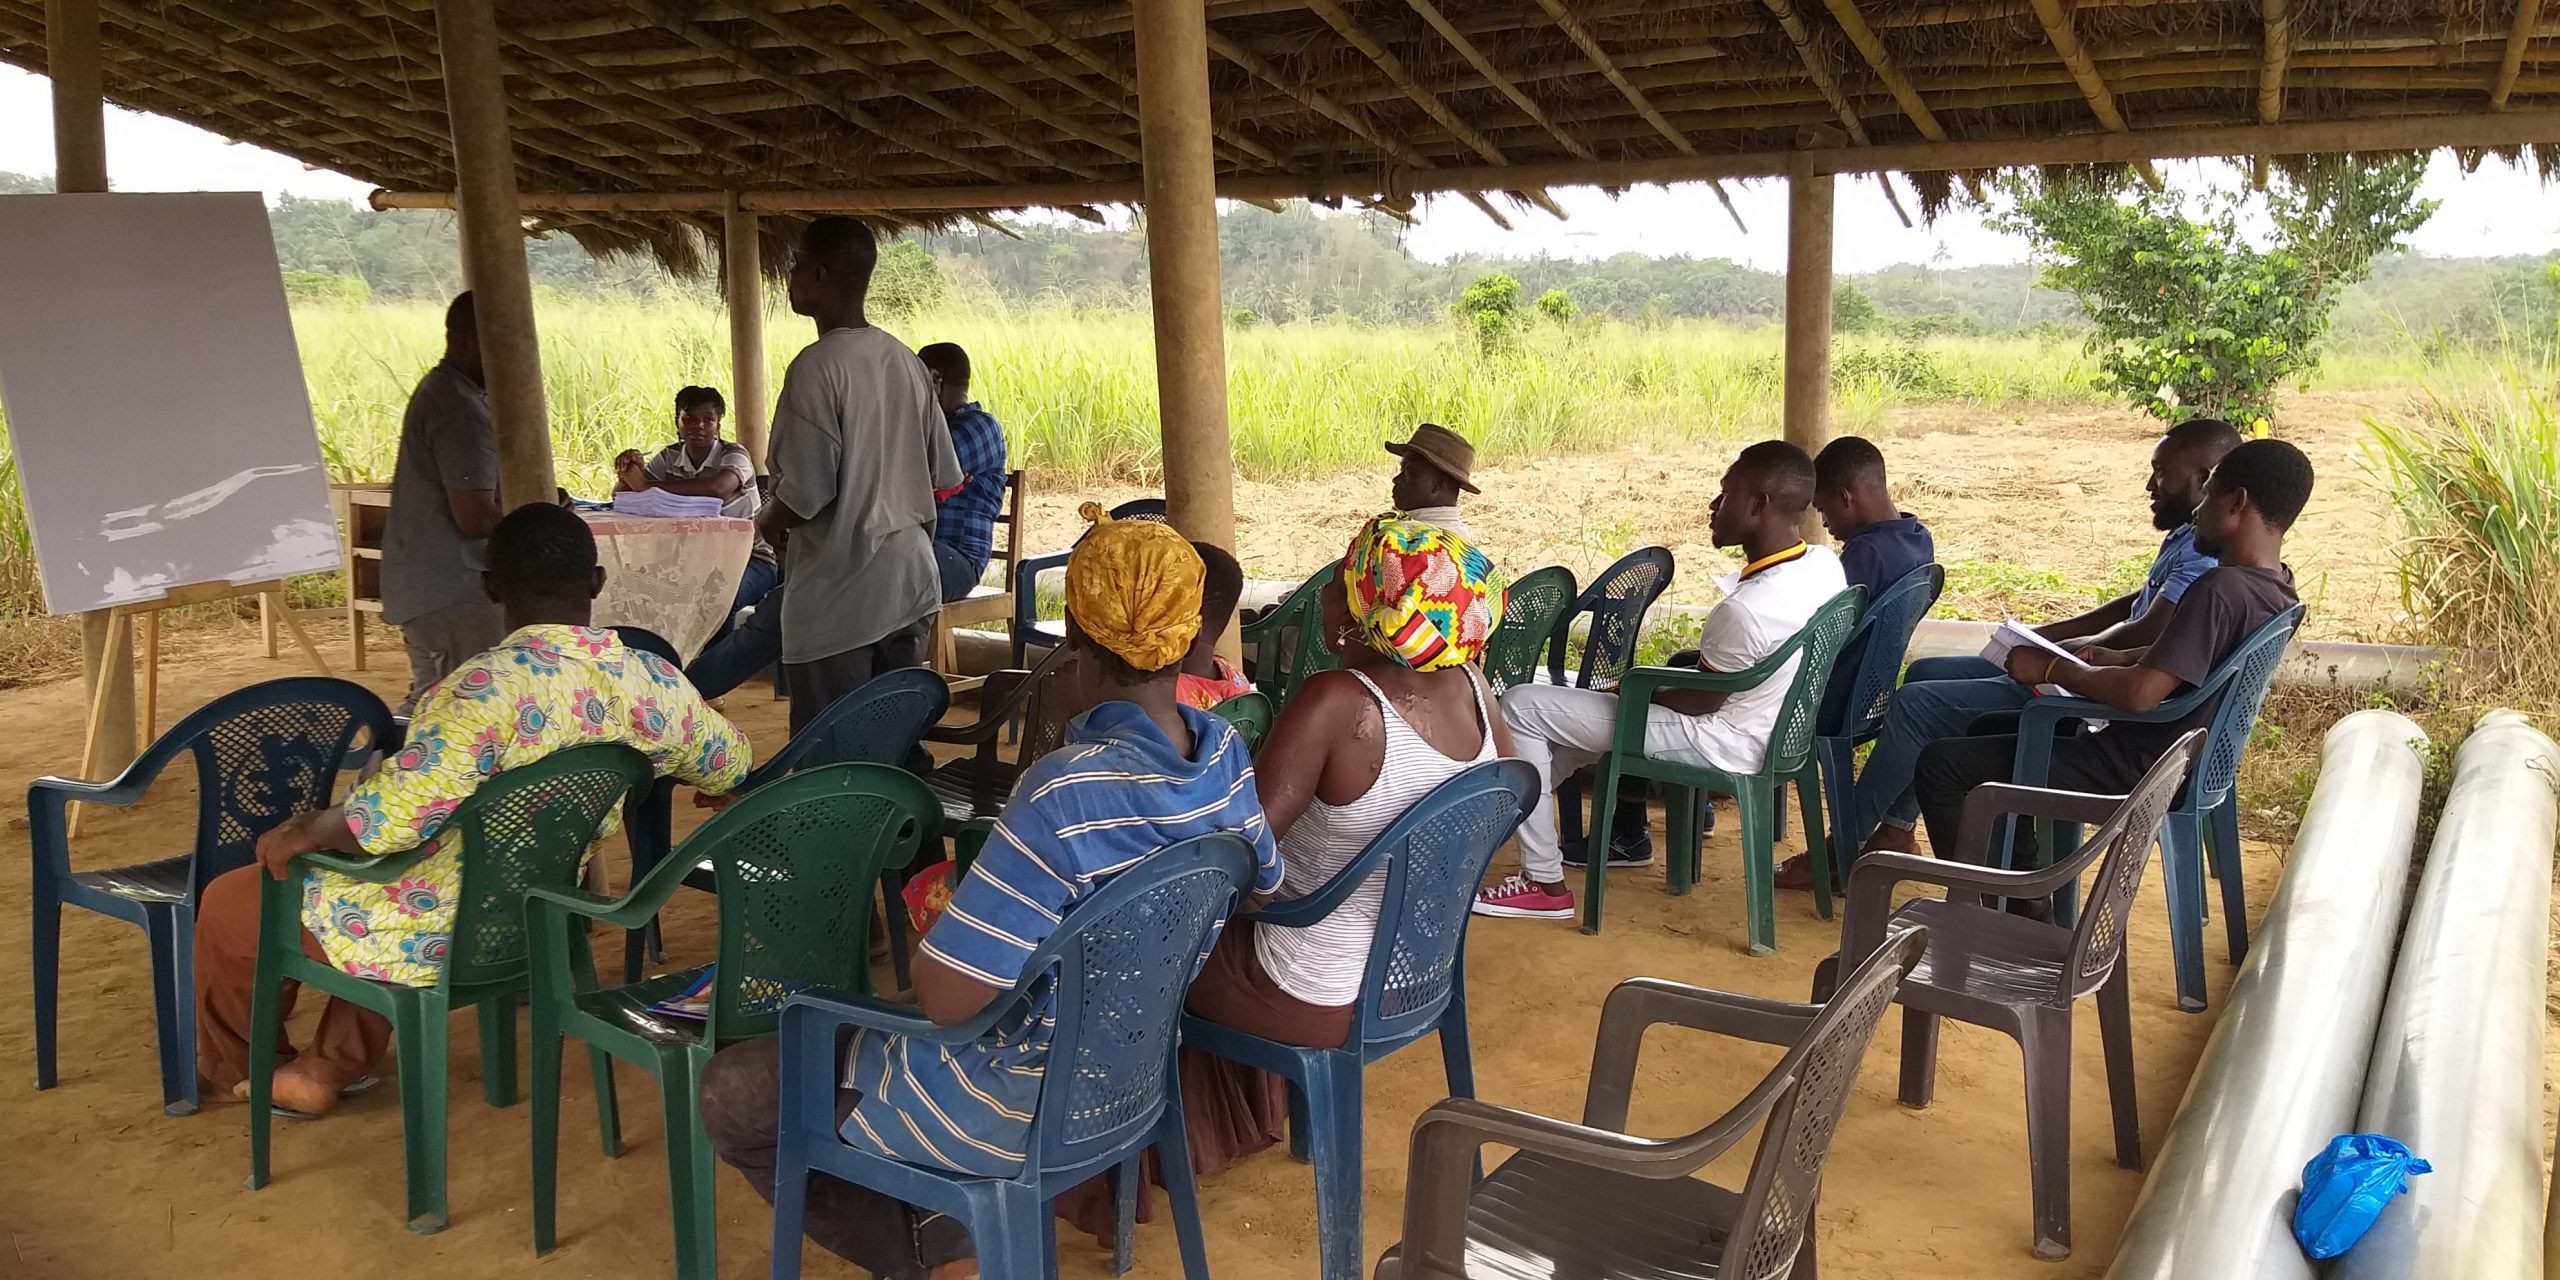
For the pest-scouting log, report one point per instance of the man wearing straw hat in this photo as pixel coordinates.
(1437, 463)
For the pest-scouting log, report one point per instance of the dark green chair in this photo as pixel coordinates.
(1532, 606)
(1287, 642)
(1251, 714)
(1790, 758)
(796, 861)
(525, 829)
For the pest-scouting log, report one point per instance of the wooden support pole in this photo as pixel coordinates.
(493, 247)
(1808, 366)
(1182, 268)
(742, 287)
(76, 62)
(2528, 15)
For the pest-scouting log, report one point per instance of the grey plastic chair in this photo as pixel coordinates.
(2020, 976)
(1590, 1199)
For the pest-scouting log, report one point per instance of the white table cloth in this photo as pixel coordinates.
(677, 578)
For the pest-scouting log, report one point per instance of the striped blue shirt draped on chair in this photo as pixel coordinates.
(1115, 793)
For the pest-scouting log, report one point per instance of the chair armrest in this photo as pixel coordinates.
(1985, 805)
(2052, 709)
(1873, 878)
(635, 908)
(1639, 1004)
(998, 699)
(1300, 912)
(825, 1013)
(382, 870)
(1640, 683)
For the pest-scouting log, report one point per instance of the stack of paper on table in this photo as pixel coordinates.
(661, 505)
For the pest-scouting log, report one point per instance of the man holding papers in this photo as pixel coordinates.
(1941, 697)
(2251, 500)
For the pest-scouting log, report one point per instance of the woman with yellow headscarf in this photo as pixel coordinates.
(1409, 616)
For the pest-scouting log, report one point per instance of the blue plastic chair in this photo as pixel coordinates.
(1117, 965)
(1435, 857)
(882, 722)
(1028, 629)
(1884, 631)
(262, 755)
(2240, 683)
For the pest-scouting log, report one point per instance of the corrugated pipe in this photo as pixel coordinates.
(2457, 1066)
(2286, 1063)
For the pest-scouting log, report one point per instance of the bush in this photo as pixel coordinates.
(326, 287)
(907, 280)
(1490, 309)
(1852, 311)
(1892, 367)
(1557, 306)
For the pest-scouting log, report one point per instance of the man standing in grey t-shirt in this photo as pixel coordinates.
(444, 502)
(858, 450)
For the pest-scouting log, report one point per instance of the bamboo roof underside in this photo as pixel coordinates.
(1370, 100)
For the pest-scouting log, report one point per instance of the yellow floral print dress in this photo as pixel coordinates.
(541, 689)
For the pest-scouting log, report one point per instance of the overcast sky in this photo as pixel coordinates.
(2496, 210)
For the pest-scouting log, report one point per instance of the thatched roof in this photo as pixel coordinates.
(1363, 98)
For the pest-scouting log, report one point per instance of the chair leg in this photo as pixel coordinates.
(1680, 835)
(1595, 852)
(2181, 874)
(1125, 1182)
(47, 964)
(421, 1032)
(2046, 1040)
(1839, 757)
(1334, 1106)
(171, 937)
(498, 1049)
(1299, 1149)
(1919, 1057)
(1182, 1193)
(608, 1107)
(2115, 1036)
(1456, 1057)
(690, 1180)
(2225, 828)
(544, 1046)
(1759, 876)
(1817, 846)
(791, 1202)
(266, 1016)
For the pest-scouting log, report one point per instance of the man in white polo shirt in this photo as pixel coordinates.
(1783, 582)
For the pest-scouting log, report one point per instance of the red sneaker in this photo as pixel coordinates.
(1521, 899)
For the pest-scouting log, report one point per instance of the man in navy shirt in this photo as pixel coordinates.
(1880, 543)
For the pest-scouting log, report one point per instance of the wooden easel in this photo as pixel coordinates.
(272, 610)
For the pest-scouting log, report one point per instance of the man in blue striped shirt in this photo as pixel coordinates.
(1139, 771)
(965, 517)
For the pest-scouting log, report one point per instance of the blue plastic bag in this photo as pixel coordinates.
(2345, 1187)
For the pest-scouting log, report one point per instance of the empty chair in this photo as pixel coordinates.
(1590, 1199)
(523, 829)
(1617, 602)
(2021, 976)
(1114, 971)
(1532, 606)
(1861, 688)
(262, 755)
(796, 864)
(974, 787)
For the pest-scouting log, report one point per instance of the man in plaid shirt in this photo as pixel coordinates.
(965, 517)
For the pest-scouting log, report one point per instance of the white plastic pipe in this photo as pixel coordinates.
(2457, 1066)
(2285, 1065)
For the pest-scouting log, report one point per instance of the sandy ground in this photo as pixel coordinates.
(2052, 492)
(96, 1183)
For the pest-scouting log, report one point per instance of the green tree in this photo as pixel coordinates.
(907, 280)
(1557, 306)
(1852, 311)
(1490, 308)
(2193, 318)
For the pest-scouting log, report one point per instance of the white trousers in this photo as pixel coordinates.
(1558, 731)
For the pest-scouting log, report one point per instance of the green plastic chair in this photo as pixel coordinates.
(1288, 642)
(1790, 758)
(1532, 605)
(524, 829)
(1251, 714)
(797, 861)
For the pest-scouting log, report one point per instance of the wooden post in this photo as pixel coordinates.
(1182, 271)
(74, 60)
(1808, 402)
(742, 287)
(475, 92)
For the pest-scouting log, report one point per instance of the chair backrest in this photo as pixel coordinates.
(2122, 848)
(1436, 855)
(882, 722)
(647, 641)
(1290, 645)
(528, 827)
(1009, 552)
(1531, 607)
(1250, 713)
(2252, 668)
(1141, 509)
(1882, 637)
(797, 864)
(1786, 1172)
(266, 753)
(1617, 601)
(1120, 962)
(1819, 642)
(1045, 709)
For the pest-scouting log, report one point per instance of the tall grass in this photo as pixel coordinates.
(2475, 483)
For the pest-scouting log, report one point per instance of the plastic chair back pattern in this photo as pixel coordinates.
(1791, 743)
(879, 723)
(1617, 601)
(1882, 638)
(1436, 855)
(526, 828)
(1532, 606)
(2228, 739)
(2098, 937)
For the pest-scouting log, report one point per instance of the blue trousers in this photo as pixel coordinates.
(1939, 698)
(736, 653)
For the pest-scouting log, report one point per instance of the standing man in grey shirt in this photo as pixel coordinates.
(858, 450)
(444, 502)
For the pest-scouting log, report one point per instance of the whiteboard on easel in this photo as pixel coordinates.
(156, 406)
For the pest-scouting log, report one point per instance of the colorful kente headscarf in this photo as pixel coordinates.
(1420, 594)
(1134, 586)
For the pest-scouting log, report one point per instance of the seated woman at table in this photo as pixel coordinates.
(702, 465)
(1356, 748)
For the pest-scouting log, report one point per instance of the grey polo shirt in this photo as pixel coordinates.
(858, 450)
(446, 442)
